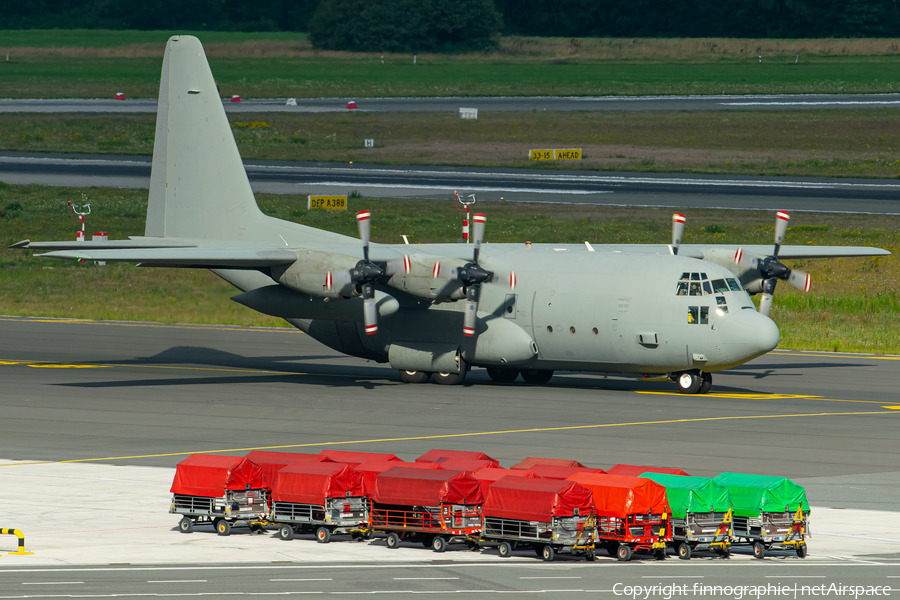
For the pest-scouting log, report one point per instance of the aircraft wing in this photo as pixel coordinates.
(210, 258)
(107, 245)
(787, 252)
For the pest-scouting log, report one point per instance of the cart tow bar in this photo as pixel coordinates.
(795, 537)
(21, 536)
(723, 533)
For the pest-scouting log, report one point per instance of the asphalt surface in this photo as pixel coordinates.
(525, 185)
(148, 394)
(485, 104)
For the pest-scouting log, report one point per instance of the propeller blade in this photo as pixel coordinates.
(363, 220)
(470, 315)
(677, 231)
(765, 304)
(748, 261)
(781, 223)
(329, 282)
(478, 222)
(800, 280)
(399, 266)
(370, 311)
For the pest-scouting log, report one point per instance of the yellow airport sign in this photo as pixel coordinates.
(557, 154)
(327, 203)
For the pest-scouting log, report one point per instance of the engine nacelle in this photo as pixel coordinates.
(309, 274)
(430, 277)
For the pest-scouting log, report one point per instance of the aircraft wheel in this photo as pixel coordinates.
(536, 376)
(505, 549)
(706, 383)
(414, 376)
(501, 375)
(759, 550)
(688, 382)
(623, 552)
(186, 525)
(453, 378)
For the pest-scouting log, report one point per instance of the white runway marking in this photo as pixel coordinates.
(809, 103)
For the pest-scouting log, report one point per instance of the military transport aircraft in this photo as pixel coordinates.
(435, 310)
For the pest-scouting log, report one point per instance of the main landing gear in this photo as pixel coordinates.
(693, 382)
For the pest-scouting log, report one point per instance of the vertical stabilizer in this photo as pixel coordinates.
(198, 186)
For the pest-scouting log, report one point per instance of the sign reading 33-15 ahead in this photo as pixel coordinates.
(558, 154)
(327, 203)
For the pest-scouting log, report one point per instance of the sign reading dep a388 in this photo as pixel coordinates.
(326, 203)
(555, 154)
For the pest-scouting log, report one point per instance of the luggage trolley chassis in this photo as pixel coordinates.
(565, 535)
(449, 523)
(336, 516)
(247, 507)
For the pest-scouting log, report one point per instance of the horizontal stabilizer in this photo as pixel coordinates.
(236, 258)
(105, 245)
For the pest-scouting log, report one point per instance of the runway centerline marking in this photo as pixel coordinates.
(469, 434)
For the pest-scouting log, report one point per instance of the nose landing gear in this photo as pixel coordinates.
(693, 382)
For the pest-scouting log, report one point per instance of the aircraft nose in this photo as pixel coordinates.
(747, 334)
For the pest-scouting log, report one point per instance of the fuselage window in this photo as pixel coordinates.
(720, 300)
(719, 286)
(734, 285)
(682, 289)
(695, 288)
(693, 314)
(704, 315)
(707, 289)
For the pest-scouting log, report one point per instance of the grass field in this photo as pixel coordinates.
(99, 64)
(857, 143)
(853, 305)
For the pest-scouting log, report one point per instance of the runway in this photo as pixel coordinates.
(485, 104)
(124, 402)
(835, 195)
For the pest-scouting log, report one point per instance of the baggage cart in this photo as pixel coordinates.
(769, 513)
(226, 491)
(354, 458)
(434, 507)
(436, 456)
(561, 472)
(550, 516)
(272, 462)
(526, 464)
(701, 514)
(637, 470)
(323, 497)
(632, 514)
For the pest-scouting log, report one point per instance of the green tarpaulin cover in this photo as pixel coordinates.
(692, 494)
(755, 494)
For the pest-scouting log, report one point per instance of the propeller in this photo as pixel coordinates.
(677, 230)
(771, 269)
(472, 276)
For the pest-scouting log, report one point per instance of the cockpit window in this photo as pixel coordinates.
(719, 286)
(695, 288)
(695, 276)
(707, 288)
(733, 284)
(703, 276)
(682, 289)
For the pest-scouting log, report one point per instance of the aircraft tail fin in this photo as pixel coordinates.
(198, 186)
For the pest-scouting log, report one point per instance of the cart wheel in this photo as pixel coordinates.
(286, 532)
(724, 552)
(501, 375)
(505, 549)
(186, 525)
(801, 550)
(438, 544)
(414, 376)
(759, 550)
(323, 535)
(590, 556)
(393, 540)
(536, 376)
(684, 551)
(223, 527)
(548, 553)
(623, 553)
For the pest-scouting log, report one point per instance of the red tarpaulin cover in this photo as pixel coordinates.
(438, 455)
(426, 487)
(621, 495)
(209, 475)
(370, 469)
(488, 476)
(560, 472)
(312, 482)
(634, 470)
(356, 458)
(464, 464)
(531, 461)
(272, 462)
(528, 499)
